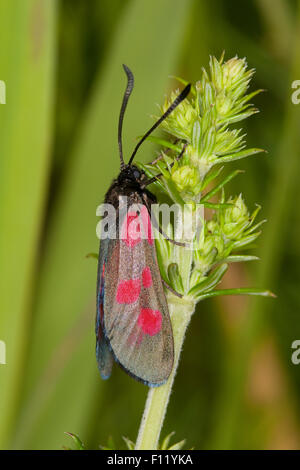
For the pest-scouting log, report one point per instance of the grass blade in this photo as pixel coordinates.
(27, 66)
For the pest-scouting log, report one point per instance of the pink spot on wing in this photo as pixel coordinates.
(147, 277)
(128, 291)
(131, 229)
(147, 225)
(150, 321)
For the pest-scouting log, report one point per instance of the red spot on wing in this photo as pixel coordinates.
(128, 291)
(147, 277)
(132, 233)
(147, 225)
(131, 229)
(150, 321)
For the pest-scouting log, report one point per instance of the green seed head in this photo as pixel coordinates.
(233, 70)
(234, 220)
(180, 122)
(186, 178)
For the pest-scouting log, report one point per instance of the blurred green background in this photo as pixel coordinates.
(61, 61)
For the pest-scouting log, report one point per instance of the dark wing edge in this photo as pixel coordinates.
(103, 354)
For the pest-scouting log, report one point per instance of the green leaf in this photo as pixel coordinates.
(163, 143)
(175, 278)
(196, 137)
(239, 155)
(179, 445)
(208, 142)
(27, 62)
(255, 227)
(219, 186)
(172, 191)
(151, 172)
(161, 259)
(240, 258)
(210, 282)
(245, 241)
(248, 97)
(185, 83)
(212, 205)
(238, 117)
(78, 443)
(237, 291)
(166, 441)
(210, 176)
(208, 120)
(130, 444)
(111, 445)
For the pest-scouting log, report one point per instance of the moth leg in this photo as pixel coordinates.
(157, 226)
(152, 180)
(171, 290)
(92, 255)
(161, 155)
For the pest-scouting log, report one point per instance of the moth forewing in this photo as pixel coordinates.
(136, 320)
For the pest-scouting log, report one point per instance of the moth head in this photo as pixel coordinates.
(133, 174)
(138, 174)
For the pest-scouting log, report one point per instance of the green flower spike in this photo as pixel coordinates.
(217, 100)
(186, 179)
(180, 122)
(201, 128)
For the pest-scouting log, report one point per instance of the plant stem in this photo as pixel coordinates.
(181, 311)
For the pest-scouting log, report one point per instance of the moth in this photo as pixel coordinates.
(133, 326)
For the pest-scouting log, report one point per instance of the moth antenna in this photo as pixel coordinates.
(171, 108)
(129, 88)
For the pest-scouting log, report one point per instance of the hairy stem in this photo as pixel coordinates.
(181, 311)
